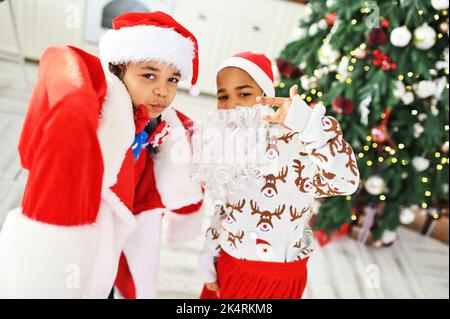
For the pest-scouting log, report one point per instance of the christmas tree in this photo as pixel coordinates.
(381, 69)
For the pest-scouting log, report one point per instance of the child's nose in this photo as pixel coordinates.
(160, 91)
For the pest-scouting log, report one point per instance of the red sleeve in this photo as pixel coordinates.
(65, 179)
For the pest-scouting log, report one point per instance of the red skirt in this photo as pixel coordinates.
(246, 279)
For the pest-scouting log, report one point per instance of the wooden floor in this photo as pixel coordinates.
(414, 267)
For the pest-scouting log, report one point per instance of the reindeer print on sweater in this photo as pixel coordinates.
(268, 221)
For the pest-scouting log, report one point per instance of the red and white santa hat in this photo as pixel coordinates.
(258, 66)
(262, 242)
(151, 36)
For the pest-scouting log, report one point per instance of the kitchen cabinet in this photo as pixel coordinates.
(222, 27)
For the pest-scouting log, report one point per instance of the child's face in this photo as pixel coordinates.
(235, 87)
(153, 84)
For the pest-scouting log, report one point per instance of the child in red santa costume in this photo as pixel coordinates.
(101, 176)
(259, 242)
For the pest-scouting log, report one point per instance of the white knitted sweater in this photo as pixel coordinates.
(269, 220)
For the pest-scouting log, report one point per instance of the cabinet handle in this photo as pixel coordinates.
(256, 28)
(203, 17)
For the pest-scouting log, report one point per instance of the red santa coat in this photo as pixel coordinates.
(77, 210)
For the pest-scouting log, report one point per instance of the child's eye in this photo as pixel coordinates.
(174, 80)
(222, 98)
(245, 94)
(149, 76)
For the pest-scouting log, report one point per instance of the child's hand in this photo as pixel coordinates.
(282, 103)
(213, 286)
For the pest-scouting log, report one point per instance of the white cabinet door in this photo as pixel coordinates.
(56, 22)
(7, 40)
(249, 35)
(209, 28)
(222, 27)
(226, 27)
(42, 23)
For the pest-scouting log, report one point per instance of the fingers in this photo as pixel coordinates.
(213, 286)
(274, 101)
(293, 90)
(270, 118)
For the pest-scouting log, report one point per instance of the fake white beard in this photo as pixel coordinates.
(229, 148)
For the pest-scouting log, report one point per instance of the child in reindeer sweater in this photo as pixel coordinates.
(259, 242)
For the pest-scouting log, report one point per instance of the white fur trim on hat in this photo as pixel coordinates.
(260, 77)
(146, 43)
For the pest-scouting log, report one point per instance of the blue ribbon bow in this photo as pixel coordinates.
(140, 142)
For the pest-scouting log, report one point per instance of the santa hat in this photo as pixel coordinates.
(144, 36)
(262, 242)
(258, 66)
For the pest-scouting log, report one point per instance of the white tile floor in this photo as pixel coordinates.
(414, 267)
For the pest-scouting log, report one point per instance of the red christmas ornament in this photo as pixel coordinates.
(380, 133)
(287, 70)
(377, 36)
(330, 17)
(342, 105)
(385, 23)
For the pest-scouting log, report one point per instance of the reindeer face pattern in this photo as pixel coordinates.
(338, 144)
(265, 217)
(304, 250)
(287, 137)
(231, 219)
(322, 187)
(304, 184)
(233, 239)
(253, 221)
(272, 151)
(270, 187)
(296, 214)
(214, 233)
(330, 124)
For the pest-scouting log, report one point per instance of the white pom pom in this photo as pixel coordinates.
(375, 185)
(408, 98)
(194, 90)
(407, 216)
(388, 237)
(425, 89)
(439, 4)
(420, 163)
(424, 37)
(400, 36)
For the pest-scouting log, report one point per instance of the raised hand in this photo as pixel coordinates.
(282, 103)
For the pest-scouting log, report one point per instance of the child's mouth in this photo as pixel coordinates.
(158, 107)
